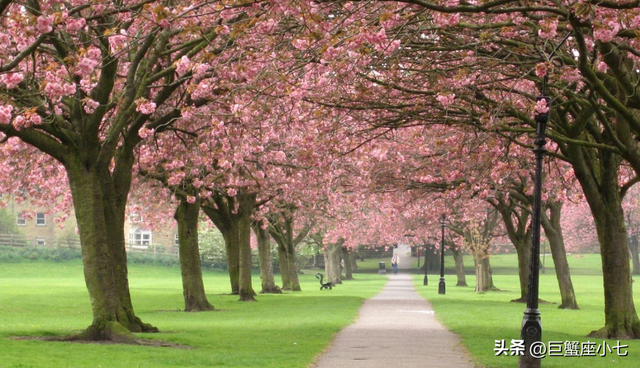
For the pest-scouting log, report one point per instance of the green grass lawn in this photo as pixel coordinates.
(41, 298)
(289, 330)
(481, 319)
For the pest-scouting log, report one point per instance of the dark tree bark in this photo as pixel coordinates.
(621, 319)
(332, 257)
(515, 221)
(195, 298)
(266, 266)
(488, 274)
(282, 231)
(553, 231)
(457, 257)
(232, 216)
(346, 257)
(285, 265)
(101, 230)
(635, 256)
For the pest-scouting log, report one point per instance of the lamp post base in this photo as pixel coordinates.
(441, 286)
(531, 334)
(425, 282)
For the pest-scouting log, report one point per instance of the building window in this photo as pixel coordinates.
(41, 219)
(21, 221)
(140, 238)
(176, 242)
(41, 242)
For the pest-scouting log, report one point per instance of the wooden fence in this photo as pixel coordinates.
(17, 240)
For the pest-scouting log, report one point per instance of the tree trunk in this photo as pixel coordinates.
(105, 266)
(480, 279)
(232, 249)
(245, 290)
(282, 233)
(266, 266)
(293, 269)
(635, 257)
(524, 263)
(621, 319)
(285, 266)
(599, 181)
(457, 257)
(332, 262)
(488, 273)
(232, 216)
(346, 256)
(195, 299)
(553, 231)
(352, 261)
(520, 235)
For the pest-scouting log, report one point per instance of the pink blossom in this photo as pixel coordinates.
(35, 119)
(75, 24)
(446, 100)
(280, 156)
(232, 192)
(548, 28)
(541, 69)
(301, 43)
(571, 75)
(145, 107)
(183, 65)
(5, 114)
(118, 41)
(86, 66)
(602, 67)
(606, 31)
(164, 23)
(90, 105)
(44, 24)
(145, 132)
(191, 199)
(541, 107)
(11, 80)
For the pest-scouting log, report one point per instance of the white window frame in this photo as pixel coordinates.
(38, 219)
(176, 242)
(20, 219)
(41, 242)
(140, 239)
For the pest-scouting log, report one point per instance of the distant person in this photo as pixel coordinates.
(394, 264)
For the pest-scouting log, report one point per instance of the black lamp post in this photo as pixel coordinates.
(441, 285)
(425, 282)
(531, 331)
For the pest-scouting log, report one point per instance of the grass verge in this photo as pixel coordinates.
(50, 299)
(481, 319)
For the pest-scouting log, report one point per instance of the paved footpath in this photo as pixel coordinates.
(396, 328)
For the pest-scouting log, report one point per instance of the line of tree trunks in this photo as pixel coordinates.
(553, 231)
(187, 216)
(264, 254)
(232, 216)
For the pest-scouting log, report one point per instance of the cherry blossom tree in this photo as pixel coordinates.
(482, 65)
(84, 84)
